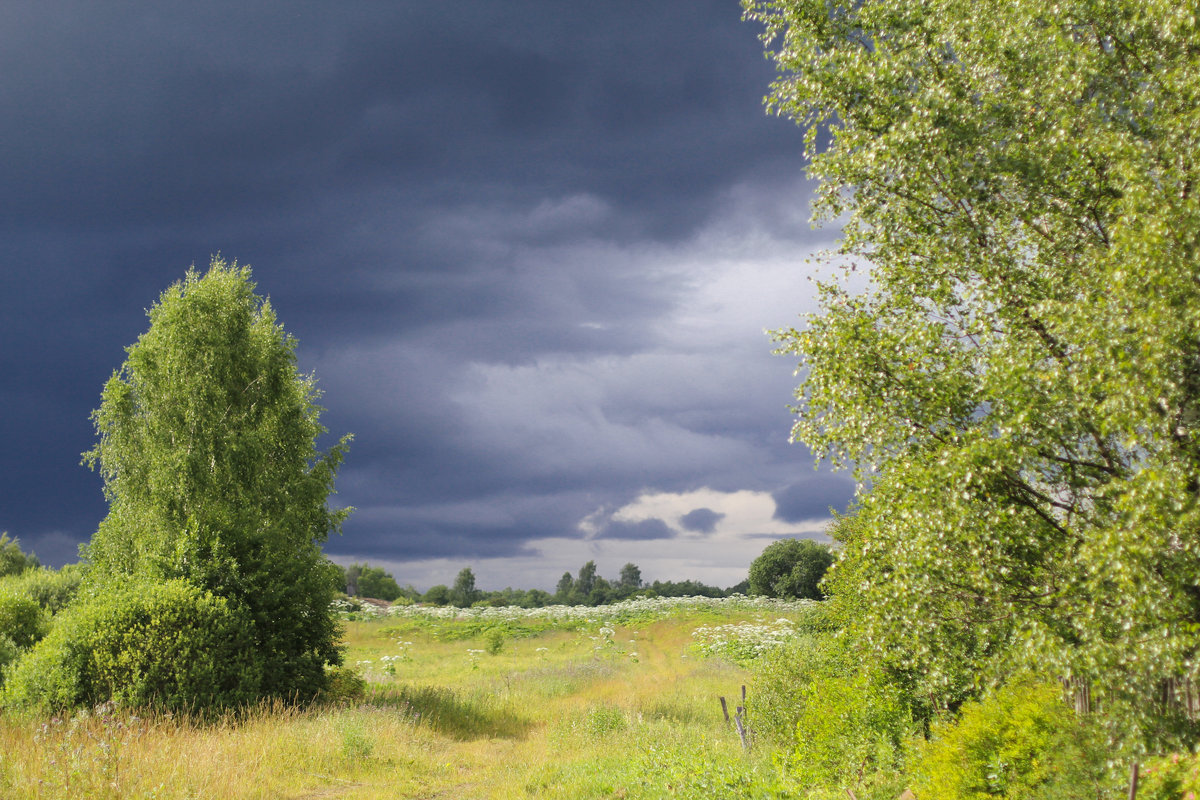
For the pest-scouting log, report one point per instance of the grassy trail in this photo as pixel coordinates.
(450, 712)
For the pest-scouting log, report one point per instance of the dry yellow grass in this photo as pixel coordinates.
(554, 715)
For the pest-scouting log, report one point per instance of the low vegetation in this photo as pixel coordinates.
(620, 701)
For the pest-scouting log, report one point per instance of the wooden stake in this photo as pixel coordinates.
(725, 710)
(741, 729)
(1133, 781)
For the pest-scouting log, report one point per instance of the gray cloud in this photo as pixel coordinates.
(640, 530)
(701, 520)
(812, 499)
(529, 256)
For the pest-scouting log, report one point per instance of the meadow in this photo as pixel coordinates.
(617, 701)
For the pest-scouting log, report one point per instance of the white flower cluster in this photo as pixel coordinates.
(744, 641)
(634, 609)
(349, 608)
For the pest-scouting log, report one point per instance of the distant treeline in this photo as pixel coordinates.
(584, 589)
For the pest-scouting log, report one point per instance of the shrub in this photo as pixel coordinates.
(343, 685)
(50, 589)
(853, 731)
(1171, 777)
(22, 623)
(164, 644)
(845, 723)
(22, 620)
(791, 568)
(781, 677)
(1021, 741)
(13, 561)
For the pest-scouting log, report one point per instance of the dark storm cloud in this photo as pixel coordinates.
(486, 224)
(701, 520)
(641, 530)
(811, 499)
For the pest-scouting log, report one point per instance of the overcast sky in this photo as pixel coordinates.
(529, 249)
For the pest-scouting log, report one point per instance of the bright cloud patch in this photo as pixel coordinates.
(652, 532)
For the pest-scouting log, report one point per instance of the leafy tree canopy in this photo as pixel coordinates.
(791, 568)
(566, 584)
(207, 447)
(464, 593)
(14, 561)
(363, 580)
(631, 578)
(438, 595)
(1020, 383)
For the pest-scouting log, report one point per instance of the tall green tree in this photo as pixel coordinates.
(585, 581)
(208, 450)
(1019, 384)
(791, 568)
(566, 585)
(464, 593)
(631, 578)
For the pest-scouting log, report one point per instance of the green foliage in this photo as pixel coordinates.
(562, 592)
(22, 624)
(1171, 777)
(464, 593)
(1018, 385)
(207, 447)
(631, 578)
(357, 743)
(22, 620)
(13, 561)
(163, 644)
(371, 581)
(852, 726)
(782, 675)
(684, 588)
(1020, 742)
(438, 595)
(50, 589)
(344, 685)
(842, 718)
(791, 569)
(520, 598)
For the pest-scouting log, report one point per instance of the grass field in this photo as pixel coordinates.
(508, 704)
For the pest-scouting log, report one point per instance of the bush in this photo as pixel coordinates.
(50, 589)
(13, 561)
(781, 678)
(853, 731)
(1021, 741)
(22, 624)
(438, 595)
(791, 568)
(343, 685)
(165, 645)
(846, 724)
(1171, 777)
(22, 620)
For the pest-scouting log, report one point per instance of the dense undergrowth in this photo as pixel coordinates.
(619, 701)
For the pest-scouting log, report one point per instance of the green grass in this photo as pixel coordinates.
(580, 707)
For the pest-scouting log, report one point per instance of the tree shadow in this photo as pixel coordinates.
(449, 713)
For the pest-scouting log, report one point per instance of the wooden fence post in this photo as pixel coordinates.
(1133, 781)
